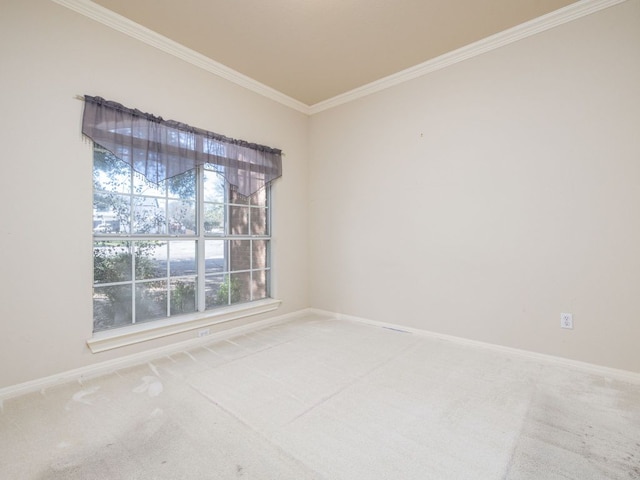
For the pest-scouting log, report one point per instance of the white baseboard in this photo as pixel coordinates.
(624, 375)
(108, 366)
(101, 368)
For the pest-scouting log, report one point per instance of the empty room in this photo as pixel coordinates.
(320, 239)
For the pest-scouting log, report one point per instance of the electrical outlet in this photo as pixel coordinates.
(203, 333)
(566, 320)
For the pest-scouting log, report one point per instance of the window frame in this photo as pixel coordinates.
(140, 330)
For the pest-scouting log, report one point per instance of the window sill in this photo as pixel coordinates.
(121, 337)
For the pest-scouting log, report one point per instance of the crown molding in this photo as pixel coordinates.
(564, 15)
(124, 25)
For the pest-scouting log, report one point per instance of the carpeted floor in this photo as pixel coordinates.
(317, 398)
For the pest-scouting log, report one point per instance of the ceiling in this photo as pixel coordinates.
(314, 50)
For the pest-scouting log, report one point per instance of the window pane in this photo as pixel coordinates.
(149, 215)
(260, 254)
(259, 284)
(182, 217)
(239, 220)
(214, 261)
(182, 186)
(182, 258)
(111, 307)
(240, 255)
(151, 301)
(111, 213)
(183, 296)
(111, 262)
(213, 187)
(142, 186)
(259, 198)
(259, 224)
(151, 259)
(235, 197)
(216, 291)
(240, 287)
(214, 219)
(110, 173)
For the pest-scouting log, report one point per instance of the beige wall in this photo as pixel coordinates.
(485, 199)
(480, 201)
(49, 54)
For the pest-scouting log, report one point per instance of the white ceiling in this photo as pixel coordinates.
(314, 50)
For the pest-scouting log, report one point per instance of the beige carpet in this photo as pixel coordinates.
(326, 399)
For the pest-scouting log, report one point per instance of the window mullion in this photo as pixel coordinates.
(132, 247)
(132, 250)
(227, 242)
(168, 262)
(250, 267)
(200, 242)
(250, 230)
(269, 233)
(168, 276)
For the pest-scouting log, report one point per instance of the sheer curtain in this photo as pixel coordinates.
(161, 149)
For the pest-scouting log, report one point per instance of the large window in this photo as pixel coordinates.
(188, 244)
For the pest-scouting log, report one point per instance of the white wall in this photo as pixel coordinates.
(485, 199)
(49, 54)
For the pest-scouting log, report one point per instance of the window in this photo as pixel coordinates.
(180, 222)
(188, 244)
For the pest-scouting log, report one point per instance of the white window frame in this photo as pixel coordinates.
(138, 332)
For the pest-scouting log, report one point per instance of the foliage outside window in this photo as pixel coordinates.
(186, 245)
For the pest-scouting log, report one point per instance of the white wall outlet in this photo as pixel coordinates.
(566, 320)
(203, 332)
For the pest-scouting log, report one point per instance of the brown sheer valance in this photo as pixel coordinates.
(161, 149)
